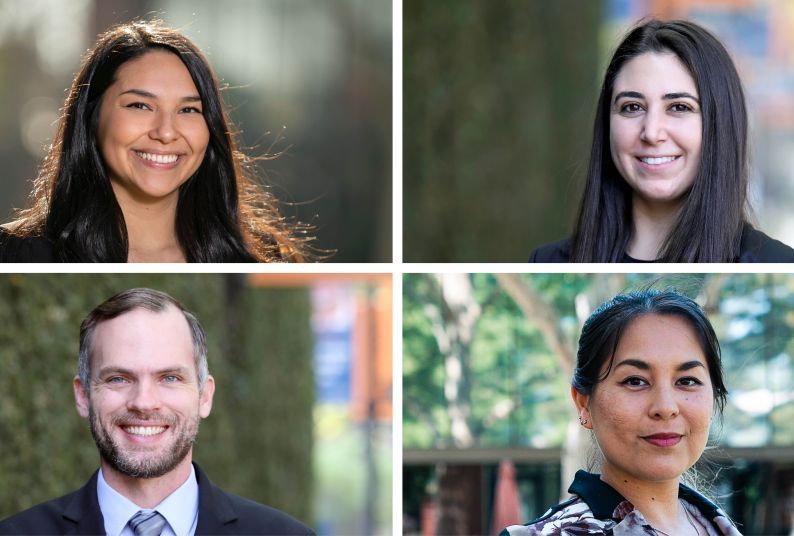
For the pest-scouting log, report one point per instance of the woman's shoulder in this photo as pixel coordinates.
(756, 246)
(16, 248)
(559, 251)
(573, 516)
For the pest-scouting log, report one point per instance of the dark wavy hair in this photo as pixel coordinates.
(709, 224)
(604, 328)
(223, 215)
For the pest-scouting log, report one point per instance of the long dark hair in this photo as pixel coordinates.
(709, 224)
(604, 328)
(222, 214)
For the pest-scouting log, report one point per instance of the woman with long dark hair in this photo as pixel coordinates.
(667, 179)
(144, 167)
(647, 384)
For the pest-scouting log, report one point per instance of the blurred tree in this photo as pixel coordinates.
(498, 103)
(256, 443)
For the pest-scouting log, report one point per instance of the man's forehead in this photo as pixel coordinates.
(144, 336)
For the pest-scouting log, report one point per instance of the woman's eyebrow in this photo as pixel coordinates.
(640, 364)
(680, 95)
(631, 94)
(150, 95)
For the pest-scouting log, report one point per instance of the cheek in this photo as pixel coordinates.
(699, 409)
(621, 139)
(612, 415)
(115, 133)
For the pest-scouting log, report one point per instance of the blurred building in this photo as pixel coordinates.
(352, 324)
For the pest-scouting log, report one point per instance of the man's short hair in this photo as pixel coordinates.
(138, 298)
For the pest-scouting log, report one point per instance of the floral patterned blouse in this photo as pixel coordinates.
(597, 508)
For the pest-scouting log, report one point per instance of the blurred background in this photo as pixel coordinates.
(309, 78)
(498, 107)
(490, 436)
(302, 413)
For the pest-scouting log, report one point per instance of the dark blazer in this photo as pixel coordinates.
(219, 513)
(28, 249)
(754, 246)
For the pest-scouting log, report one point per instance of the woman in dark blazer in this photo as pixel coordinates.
(667, 179)
(144, 167)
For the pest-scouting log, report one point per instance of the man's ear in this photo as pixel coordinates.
(205, 399)
(80, 397)
(582, 407)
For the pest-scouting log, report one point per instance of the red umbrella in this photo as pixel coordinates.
(506, 503)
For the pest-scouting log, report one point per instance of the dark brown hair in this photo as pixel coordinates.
(709, 224)
(222, 214)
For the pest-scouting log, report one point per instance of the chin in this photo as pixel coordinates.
(660, 473)
(662, 195)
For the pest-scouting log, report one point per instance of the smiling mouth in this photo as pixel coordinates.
(158, 158)
(663, 440)
(144, 431)
(657, 160)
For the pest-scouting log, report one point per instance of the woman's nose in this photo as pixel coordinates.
(654, 129)
(663, 404)
(164, 129)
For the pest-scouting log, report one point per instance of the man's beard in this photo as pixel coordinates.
(153, 466)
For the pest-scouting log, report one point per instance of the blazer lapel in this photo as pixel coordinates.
(82, 514)
(215, 508)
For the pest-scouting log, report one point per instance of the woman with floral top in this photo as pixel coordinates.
(647, 383)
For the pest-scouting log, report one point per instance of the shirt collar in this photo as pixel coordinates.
(179, 509)
(603, 499)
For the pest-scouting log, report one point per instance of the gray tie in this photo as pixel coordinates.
(147, 523)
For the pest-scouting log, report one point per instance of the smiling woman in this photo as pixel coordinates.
(144, 168)
(648, 381)
(668, 173)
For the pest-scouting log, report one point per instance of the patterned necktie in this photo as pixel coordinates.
(147, 523)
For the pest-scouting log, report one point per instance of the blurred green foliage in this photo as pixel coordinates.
(498, 104)
(513, 365)
(256, 443)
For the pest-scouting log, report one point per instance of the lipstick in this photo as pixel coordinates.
(663, 440)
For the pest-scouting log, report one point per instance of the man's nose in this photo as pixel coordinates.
(144, 397)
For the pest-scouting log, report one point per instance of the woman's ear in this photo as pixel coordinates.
(582, 407)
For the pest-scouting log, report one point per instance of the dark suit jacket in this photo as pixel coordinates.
(219, 513)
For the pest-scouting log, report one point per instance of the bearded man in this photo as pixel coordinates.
(143, 384)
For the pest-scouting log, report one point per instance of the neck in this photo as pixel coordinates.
(147, 492)
(151, 229)
(652, 224)
(657, 500)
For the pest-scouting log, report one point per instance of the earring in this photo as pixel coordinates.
(582, 421)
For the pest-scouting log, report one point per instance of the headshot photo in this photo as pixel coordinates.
(598, 404)
(173, 131)
(242, 413)
(633, 132)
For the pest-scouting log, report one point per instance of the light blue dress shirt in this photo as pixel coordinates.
(180, 509)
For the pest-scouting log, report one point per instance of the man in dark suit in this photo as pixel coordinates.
(143, 384)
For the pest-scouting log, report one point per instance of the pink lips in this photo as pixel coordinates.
(156, 165)
(657, 167)
(663, 440)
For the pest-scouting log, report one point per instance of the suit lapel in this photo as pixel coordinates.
(82, 513)
(215, 511)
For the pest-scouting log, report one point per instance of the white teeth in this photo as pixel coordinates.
(659, 160)
(158, 158)
(144, 430)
